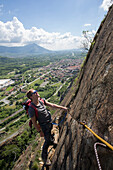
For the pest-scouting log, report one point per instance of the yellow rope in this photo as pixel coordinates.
(106, 143)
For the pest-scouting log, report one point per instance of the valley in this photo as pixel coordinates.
(51, 79)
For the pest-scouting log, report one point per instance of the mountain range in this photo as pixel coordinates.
(22, 51)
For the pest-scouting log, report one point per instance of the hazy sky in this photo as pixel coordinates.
(53, 24)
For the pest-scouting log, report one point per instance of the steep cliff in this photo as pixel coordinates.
(90, 100)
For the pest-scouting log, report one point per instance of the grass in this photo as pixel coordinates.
(56, 84)
(10, 107)
(14, 126)
(20, 95)
(54, 99)
(37, 81)
(9, 88)
(2, 97)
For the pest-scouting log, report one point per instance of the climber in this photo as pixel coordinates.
(44, 119)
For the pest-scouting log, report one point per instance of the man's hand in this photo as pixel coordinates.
(40, 130)
(41, 134)
(65, 108)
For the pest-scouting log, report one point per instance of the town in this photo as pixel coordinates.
(52, 73)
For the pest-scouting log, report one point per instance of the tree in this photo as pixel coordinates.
(11, 102)
(88, 38)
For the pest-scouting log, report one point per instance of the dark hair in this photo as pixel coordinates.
(29, 93)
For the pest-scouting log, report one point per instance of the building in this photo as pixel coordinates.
(5, 82)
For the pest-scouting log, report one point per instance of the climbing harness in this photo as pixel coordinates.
(102, 140)
(60, 121)
(96, 154)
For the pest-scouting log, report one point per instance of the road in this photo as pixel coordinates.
(7, 101)
(15, 133)
(3, 120)
(9, 137)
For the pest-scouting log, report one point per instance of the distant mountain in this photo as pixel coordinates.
(22, 51)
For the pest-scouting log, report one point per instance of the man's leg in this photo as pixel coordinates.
(48, 141)
(45, 149)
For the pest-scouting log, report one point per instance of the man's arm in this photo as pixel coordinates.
(34, 121)
(55, 105)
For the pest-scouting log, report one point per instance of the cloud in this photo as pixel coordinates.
(106, 4)
(13, 33)
(87, 25)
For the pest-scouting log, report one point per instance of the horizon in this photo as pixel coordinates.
(48, 51)
(52, 25)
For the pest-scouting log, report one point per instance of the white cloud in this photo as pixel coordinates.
(106, 4)
(87, 25)
(13, 33)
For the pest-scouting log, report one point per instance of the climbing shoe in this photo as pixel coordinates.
(47, 162)
(54, 145)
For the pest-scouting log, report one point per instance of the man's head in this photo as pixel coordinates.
(32, 94)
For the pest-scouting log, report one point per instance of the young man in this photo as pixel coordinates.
(44, 119)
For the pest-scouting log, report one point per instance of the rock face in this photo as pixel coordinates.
(90, 100)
